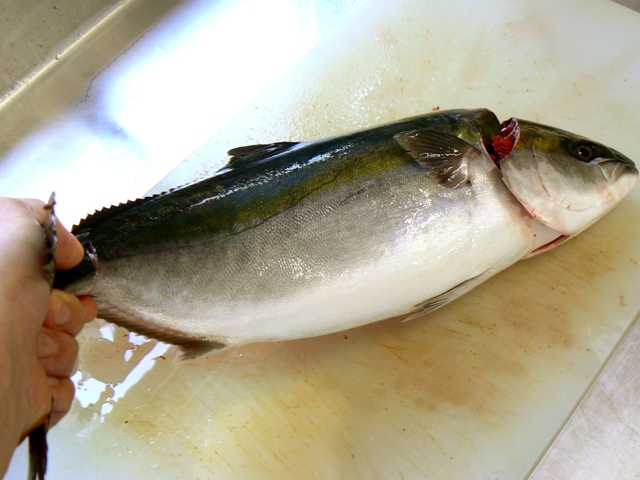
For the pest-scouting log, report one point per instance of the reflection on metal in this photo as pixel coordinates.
(35, 34)
(141, 88)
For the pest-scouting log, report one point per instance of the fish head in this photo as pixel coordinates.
(565, 181)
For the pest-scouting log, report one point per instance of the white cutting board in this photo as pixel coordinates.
(475, 390)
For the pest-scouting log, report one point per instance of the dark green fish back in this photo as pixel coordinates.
(260, 181)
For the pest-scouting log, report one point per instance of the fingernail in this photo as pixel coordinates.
(52, 381)
(63, 313)
(47, 346)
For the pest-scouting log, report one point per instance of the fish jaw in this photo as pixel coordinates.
(536, 187)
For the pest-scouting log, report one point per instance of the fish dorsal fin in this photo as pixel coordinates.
(252, 154)
(445, 154)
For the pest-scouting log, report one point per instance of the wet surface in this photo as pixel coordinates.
(474, 390)
(446, 395)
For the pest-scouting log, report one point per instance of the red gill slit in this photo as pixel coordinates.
(503, 143)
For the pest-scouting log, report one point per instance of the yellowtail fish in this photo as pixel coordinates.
(293, 240)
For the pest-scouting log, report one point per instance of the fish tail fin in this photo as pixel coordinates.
(51, 238)
(38, 449)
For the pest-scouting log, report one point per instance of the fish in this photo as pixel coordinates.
(299, 239)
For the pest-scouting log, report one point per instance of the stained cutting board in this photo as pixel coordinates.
(474, 390)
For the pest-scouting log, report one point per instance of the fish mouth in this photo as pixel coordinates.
(613, 168)
(503, 144)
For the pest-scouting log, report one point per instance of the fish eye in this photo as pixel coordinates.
(585, 152)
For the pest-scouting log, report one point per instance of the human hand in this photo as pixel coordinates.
(58, 348)
(37, 326)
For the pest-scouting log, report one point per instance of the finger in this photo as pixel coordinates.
(57, 352)
(35, 206)
(22, 246)
(62, 392)
(69, 251)
(90, 307)
(66, 313)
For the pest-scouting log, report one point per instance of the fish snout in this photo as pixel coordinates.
(615, 168)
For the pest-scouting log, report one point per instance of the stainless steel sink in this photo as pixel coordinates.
(136, 84)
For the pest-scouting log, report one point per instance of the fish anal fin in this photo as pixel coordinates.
(251, 154)
(445, 154)
(190, 347)
(197, 348)
(442, 299)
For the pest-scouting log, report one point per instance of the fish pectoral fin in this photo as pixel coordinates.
(190, 346)
(438, 301)
(253, 154)
(445, 154)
